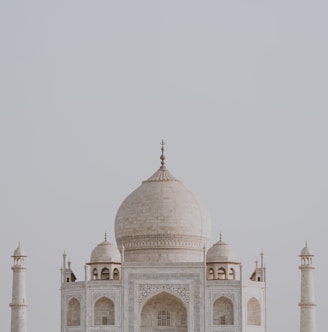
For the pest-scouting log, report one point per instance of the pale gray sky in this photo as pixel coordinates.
(239, 91)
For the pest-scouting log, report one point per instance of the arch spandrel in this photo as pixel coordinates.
(147, 291)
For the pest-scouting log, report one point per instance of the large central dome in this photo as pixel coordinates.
(162, 221)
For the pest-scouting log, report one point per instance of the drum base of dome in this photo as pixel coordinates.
(164, 255)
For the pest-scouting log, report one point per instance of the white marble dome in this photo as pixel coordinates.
(306, 251)
(163, 221)
(105, 252)
(221, 252)
(19, 252)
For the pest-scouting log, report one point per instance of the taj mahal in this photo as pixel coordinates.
(163, 274)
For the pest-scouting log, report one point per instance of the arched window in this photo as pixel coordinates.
(116, 274)
(104, 312)
(210, 275)
(223, 311)
(163, 318)
(73, 312)
(105, 274)
(253, 312)
(95, 274)
(222, 273)
(232, 274)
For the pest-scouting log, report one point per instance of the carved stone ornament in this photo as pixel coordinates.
(181, 291)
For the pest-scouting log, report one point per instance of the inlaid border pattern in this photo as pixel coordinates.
(180, 290)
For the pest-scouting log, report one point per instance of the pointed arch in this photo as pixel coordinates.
(104, 274)
(116, 274)
(222, 274)
(253, 312)
(223, 311)
(210, 274)
(94, 274)
(232, 274)
(73, 314)
(163, 310)
(104, 312)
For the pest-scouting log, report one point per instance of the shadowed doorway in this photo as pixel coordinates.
(164, 313)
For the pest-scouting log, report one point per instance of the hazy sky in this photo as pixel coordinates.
(237, 89)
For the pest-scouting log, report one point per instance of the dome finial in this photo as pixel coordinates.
(220, 236)
(105, 235)
(162, 155)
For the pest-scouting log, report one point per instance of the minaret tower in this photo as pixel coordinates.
(307, 303)
(18, 304)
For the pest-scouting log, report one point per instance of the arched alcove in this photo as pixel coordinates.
(94, 274)
(116, 274)
(253, 312)
(232, 274)
(210, 274)
(105, 274)
(164, 312)
(104, 312)
(223, 311)
(73, 312)
(222, 274)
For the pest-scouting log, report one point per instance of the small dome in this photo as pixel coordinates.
(105, 252)
(221, 252)
(306, 251)
(19, 252)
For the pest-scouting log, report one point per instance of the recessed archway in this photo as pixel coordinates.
(223, 311)
(104, 312)
(73, 312)
(253, 312)
(164, 312)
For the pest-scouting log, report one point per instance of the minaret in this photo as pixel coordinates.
(18, 304)
(307, 303)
